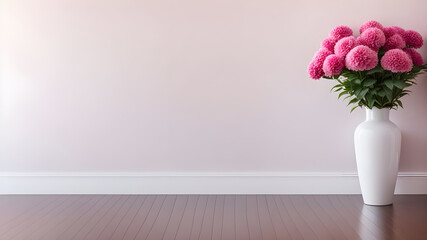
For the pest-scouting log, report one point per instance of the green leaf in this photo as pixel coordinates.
(373, 91)
(336, 86)
(375, 88)
(354, 108)
(371, 102)
(369, 82)
(389, 95)
(375, 70)
(357, 91)
(400, 84)
(357, 81)
(362, 93)
(387, 75)
(381, 93)
(389, 83)
(341, 94)
(354, 100)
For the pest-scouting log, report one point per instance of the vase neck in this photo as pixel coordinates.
(377, 114)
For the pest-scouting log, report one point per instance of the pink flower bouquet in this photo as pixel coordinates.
(373, 69)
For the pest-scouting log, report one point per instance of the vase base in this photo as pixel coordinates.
(378, 204)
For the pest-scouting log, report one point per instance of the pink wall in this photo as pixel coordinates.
(165, 85)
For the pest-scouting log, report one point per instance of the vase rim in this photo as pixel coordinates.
(377, 113)
(377, 108)
(374, 109)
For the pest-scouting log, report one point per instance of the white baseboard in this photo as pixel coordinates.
(197, 183)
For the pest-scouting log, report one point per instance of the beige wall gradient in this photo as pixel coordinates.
(146, 86)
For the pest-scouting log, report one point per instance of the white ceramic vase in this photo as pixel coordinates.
(377, 143)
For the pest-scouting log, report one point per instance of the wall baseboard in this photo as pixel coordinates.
(197, 183)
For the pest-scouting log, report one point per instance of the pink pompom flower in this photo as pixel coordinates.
(333, 65)
(340, 32)
(361, 58)
(398, 30)
(370, 24)
(396, 60)
(390, 31)
(344, 45)
(413, 39)
(315, 68)
(357, 42)
(395, 41)
(373, 38)
(315, 71)
(329, 43)
(320, 55)
(417, 59)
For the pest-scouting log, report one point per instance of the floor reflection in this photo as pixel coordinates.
(378, 222)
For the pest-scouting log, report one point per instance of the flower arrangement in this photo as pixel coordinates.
(373, 69)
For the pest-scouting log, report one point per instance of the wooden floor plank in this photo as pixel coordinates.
(207, 222)
(218, 218)
(324, 217)
(351, 216)
(41, 231)
(176, 217)
(348, 225)
(267, 227)
(102, 228)
(285, 219)
(229, 218)
(163, 218)
(254, 225)
(14, 208)
(366, 225)
(241, 219)
(187, 221)
(315, 223)
(144, 229)
(43, 223)
(16, 216)
(87, 214)
(140, 217)
(411, 210)
(288, 211)
(199, 215)
(383, 216)
(407, 215)
(281, 230)
(21, 226)
(116, 219)
(127, 219)
(72, 218)
(183, 217)
(92, 229)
